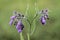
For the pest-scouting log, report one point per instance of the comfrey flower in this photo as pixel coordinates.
(43, 20)
(11, 20)
(17, 21)
(44, 16)
(19, 26)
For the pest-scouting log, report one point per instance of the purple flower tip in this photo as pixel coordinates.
(19, 31)
(13, 17)
(43, 21)
(11, 22)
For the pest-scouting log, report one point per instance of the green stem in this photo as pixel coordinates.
(33, 30)
(28, 35)
(31, 24)
(34, 18)
(21, 36)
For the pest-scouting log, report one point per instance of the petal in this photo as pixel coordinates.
(19, 26)
(11, 22)
(19, 31)
(13, 17)
(43, 21)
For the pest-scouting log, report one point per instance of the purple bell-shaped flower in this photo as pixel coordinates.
(11, 20)
(19, 26)
(43, 20)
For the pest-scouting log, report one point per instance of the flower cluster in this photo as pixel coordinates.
(16, 19)
(44, 16)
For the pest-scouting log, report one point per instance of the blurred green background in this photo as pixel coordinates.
(51, 31)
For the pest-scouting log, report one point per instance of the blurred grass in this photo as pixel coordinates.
(51, 31)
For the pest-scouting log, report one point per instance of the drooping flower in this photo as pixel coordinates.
(44, 16)
(12, 20)
(16, 19)
(19, 26)
(43, 20)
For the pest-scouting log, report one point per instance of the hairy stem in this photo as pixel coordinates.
(21, 36)
(34, 18)
(28, 35)
(29, 25)
(33, 30)
(34, 26)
